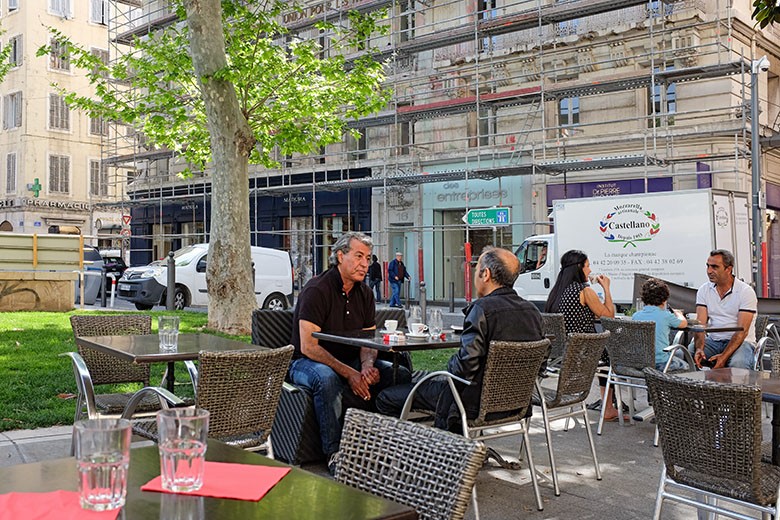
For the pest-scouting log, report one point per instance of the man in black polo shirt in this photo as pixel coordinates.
(338, 301)
(498, 314)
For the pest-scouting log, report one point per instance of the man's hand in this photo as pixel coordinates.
(359, 385)
(720, 360)
(370, 374)
(698, 357)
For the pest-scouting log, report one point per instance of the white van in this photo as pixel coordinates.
(147, 286)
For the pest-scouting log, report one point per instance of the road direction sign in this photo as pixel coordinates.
(487, 217)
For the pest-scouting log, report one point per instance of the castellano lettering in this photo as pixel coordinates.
(628, 225)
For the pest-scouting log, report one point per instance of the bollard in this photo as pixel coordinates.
(407, 292)
(452, 296)
(113, 289)
(169, 300)
(423, 303)
(103, 285)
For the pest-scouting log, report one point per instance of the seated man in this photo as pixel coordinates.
(726, 302)
(338, 301)
(498, 314)
(655, 293)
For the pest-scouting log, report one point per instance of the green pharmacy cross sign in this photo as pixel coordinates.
(487, 217)
(36, 187)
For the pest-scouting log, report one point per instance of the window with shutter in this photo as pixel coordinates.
(10, 173)
(12, 110)
(60, 8)
(103, 55)
(15, 57)
(58, 58)
(98, 12)
(59, 174)
(94, 177)
(98, 126)
(13, 5)
(59, 113)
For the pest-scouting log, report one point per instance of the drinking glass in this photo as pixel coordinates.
(168, 330)
(102, 455)
(415, 316)
(183, 433)
(435, 322)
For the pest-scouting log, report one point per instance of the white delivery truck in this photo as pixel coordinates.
(146, 286)
(667, 235)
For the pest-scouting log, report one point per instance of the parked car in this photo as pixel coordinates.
(93, 265)
(147, 286)
(114, 264)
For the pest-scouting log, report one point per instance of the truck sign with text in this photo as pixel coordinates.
(666, 235)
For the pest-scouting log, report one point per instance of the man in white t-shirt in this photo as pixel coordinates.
(726, 302)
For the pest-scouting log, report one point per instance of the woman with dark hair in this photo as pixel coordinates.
(573, 297)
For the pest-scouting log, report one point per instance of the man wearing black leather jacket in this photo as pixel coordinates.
(498, 314)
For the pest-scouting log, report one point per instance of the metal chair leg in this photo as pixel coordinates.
(548, 433)
(474, 501)
(619, 403)
(532, 468)
(590, 440)
(659, 497)
(603, 401)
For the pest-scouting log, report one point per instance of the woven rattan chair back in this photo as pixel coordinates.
(762, 320)
(272, 329)
(241, 390)
(776, 363)
(104, 368)
(390, 314)
(430, 470)
(511, 370)
(553, 324)
(710, 434)
(579, 367)
(631, 345)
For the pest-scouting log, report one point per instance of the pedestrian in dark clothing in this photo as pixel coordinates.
(396, 273)
(375, 277)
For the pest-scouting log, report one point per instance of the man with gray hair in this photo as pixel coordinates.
(338, 301)
(498, 314)
(727, 302)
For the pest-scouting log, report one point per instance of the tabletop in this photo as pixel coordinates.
(300, 495)
(146, 348)
(375, 339)
(770, 386)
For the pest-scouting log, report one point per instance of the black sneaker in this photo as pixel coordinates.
(332, 464)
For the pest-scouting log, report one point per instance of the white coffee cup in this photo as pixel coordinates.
(418, 329)
(391, 325)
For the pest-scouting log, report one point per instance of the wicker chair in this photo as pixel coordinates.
(631, 348)
(554, 325)
(577, 371)
(92, 367)
(431, 470)
(762, 320)
(511, 371)
(711, 441)
(241, 391)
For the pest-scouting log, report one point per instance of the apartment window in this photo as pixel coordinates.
(13, 5)
(59, 174)
(10, 173)
(568, 114)
(58, 58)
(98, 11)
(98, 179)
(98, 126)
(407, 20)
(103, 56)
(359, 145)
(15, 57)
(59, 113)
(569, 26)
(662, 102)
(60, 8)
(12, 113)
(487, 11)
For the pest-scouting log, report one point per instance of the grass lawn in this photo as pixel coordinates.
(37, 384)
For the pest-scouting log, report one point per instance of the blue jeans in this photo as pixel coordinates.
(741, 358)
(327, 387)
(678, 363)
(376, 284)
(395, 299)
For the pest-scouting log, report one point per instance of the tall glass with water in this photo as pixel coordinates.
(168, 330)
(415, 316)
(435, 322)
(182, 445)
(103, 456)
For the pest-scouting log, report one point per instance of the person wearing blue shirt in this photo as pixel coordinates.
(396, 273)
(655, 293)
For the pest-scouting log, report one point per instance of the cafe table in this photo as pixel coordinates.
(376, 340)
(770, 392)
(300, 495)
(146, 348)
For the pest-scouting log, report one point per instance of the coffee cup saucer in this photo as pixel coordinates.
(385, 331)
(418, 336)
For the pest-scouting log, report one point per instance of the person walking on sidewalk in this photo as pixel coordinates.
(375, 277)
(396, 273)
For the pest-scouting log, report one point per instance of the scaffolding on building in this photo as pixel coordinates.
(485, 90)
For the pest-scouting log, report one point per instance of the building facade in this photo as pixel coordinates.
(516, 103)
(50, 155)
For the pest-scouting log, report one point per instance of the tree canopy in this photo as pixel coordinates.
(766, 12)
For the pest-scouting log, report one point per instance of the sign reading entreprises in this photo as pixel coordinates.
(488, 217)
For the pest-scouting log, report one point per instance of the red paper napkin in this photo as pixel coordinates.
(225, 480)
(57, 505)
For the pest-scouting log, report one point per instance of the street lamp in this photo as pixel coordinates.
(757, 66)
